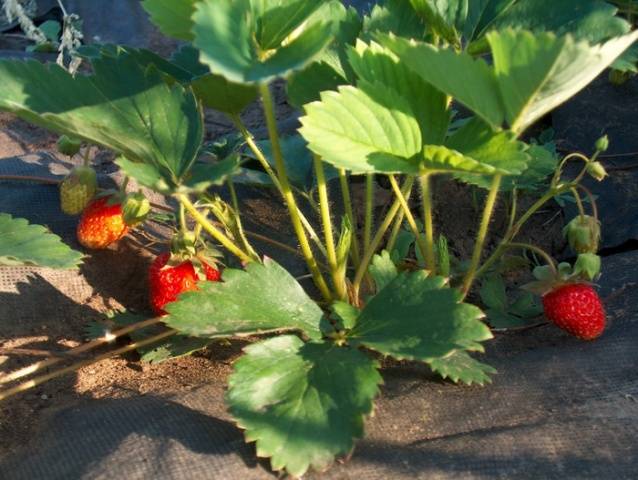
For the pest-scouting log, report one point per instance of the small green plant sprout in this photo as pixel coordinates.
(377, 96)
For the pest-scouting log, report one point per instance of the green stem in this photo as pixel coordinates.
(426, 194)
(579, 203)
(182, 218)
(405, 208)
(369, 204)
(528, 246)
(261, 158)
(376, 240)
(513, 231)
(125, 183)
(214, 232)
(324, 207)
(293, 209)
(394, 233)
(347, 207)
(490, 202)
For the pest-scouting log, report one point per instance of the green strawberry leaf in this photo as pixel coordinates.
(173, 17)
(493, 292)
(175, 347)
(22, 243)
(448, 71)
(460, 367)
(417, 317)
(502, 320)
(374, 63)
(303, 404)
(262, 298)
(244, 41)
(536, 73)
(204, 175)
(383, 270)
(443, 17)
(122, 106)
(363, 131)
(396, 16)
(346, 314)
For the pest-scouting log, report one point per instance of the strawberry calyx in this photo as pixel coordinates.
(549, 278)
(183, 248)
(135, 206)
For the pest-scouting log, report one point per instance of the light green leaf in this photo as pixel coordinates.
(225, 33)
(417, 317)
(460, 367)
(122, 106)
(383, 270)
(145, 174)
(277, 19)
(262, 298)
(24, 244)
(498, 150)
(374, 63)
(303, 404)
(173, 17)
(443, 16)
(470, 81)
(175, 347)
(536, 73)
(362, 131)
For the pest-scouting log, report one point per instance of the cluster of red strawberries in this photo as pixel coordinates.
(107, 217)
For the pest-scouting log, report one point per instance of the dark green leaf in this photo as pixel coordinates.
(396, 16)
(203, 175)
(24, 244)
(303, 404)
(122, 106)
(493, 292)
(173, 17)
(460, 367)
(175, 347)
(262, 298)
(383, 270)
(418, 317)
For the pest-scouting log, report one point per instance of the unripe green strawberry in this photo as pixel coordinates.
(77, 190)
(583, 234)
(577, 309)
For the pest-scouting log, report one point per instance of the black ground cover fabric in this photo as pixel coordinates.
(558, 408)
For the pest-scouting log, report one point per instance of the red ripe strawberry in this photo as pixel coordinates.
(167, 282)
(577, 309)
(101, 224)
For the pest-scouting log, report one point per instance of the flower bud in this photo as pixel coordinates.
(596, 170)
(602, 144)
(68, 146)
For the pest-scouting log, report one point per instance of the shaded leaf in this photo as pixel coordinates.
(303, 404)
(173, 17)
(346, 313)
(122, 106)
(262, 298)
(383, 270)
(418, 317)
(396, 16)
(22, 243)
(460, 367)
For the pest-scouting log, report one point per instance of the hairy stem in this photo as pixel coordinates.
(217, 234)
(324, 206)
(293, 209)
(369, 205)
(261, 158)
(490, 202)
(378, 237)
(405, 208)
(426, 195)
(347, 207)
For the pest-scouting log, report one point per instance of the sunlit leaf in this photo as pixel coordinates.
(460, 367)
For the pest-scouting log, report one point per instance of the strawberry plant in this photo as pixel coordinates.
(379, 96)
